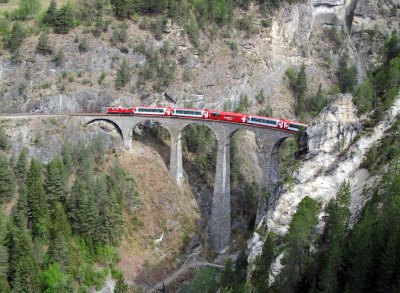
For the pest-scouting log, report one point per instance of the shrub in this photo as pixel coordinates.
(17, 37)
(260, 97)
(83, 45)
(124, 75)
(43, 46)
(364, 97)
(59, 57)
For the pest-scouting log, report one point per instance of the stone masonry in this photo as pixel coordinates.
(220, 223)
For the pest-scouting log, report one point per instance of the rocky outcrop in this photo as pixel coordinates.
(337, 148)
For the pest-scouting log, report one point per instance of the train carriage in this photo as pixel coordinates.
(153, 111)
(191, 113)
(227, 116)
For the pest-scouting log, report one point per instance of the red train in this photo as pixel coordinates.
(230, 117)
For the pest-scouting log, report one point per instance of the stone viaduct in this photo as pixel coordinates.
(220, 223)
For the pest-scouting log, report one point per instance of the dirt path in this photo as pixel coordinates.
(171, 278)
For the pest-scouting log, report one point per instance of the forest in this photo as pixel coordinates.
(68, 219)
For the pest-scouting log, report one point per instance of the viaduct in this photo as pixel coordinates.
(220, 223)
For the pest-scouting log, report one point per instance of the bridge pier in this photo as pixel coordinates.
(127, 138)
(175, 165)
(220, 223)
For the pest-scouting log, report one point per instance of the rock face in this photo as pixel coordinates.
(334, 157)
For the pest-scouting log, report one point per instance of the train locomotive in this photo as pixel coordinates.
(230, 117)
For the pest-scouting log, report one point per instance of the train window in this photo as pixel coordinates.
(151, 110)
(261, 120)
(215, 114)
(188, 112)
(295, 126)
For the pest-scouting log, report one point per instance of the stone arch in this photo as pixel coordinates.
(109, 121)
(186, 123)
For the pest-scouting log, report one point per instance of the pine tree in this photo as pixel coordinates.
(228, 275)
(43, 47)
(110, 214)
(22, 165)
(21, 210)
(7, 180)
(60, 222)
(64, 20)
(124, 75)
(38, 214)
(51, 13)
(17, 37)
(59, 251)
(67, 158)
(347, 75)
(301, 89)
(3, 249)
(24, 267)
(3, 139)
(54, 183)
(298, 256)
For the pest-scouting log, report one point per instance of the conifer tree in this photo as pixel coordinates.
(51, 13)
(22, 165)
(43, 47)
(54, 182)
(7, 180)
(21, 210)
(301, 89)
(297, 257)
(17, 37)
(4, 286)
(3, 139)
(228, 275)
(38, 214)
(67, 158)
(124, 75)
(60, 222)
(24, 267)
(64, 19)
(59, 251)
(347, 75)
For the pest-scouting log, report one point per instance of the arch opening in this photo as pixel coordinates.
(199, 159)
(153, 134)
(246, 183)
(108, 121)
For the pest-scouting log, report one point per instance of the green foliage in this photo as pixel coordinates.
(301, 89)
(364, 97)
(17, 36)
(38, 215)
(298, 84)
(83, 45)
(64, 19)
(244, 104)
(260, 276)
(119, 34)
(260, 97)
(7, 180)
(347, 75)
(52, 278)
(124, 75)
(204, 282)
(43, 47)
(59, 57)
(27, 9)
(22, 164)
(316, 103)
(121, 286)
(3, 139)
(287, 159)
(51, 14)
(200, 141)
(297, 257)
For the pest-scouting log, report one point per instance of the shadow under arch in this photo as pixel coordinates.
(152, 132)
(109, 121)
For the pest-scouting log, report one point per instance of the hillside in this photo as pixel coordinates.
(333, 64)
